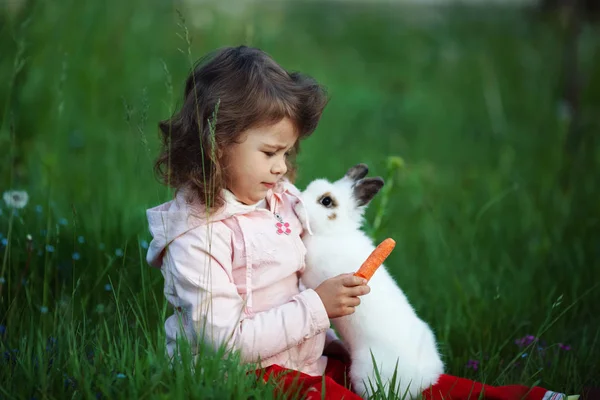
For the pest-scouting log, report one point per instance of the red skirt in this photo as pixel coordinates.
(334, 385)
(295, 384)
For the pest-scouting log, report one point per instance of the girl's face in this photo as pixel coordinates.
(255, 165)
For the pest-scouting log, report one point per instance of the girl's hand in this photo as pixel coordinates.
(340, 294)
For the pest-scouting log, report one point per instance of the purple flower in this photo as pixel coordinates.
(526, 341)
(473, 364)
(564, 347)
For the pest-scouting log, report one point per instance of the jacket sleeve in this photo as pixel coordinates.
(201, 274)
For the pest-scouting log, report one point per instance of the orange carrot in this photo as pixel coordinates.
(375, 259)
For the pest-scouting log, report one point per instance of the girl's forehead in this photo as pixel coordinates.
(280, 134)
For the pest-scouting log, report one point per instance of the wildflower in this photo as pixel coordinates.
(80, 239)
(4, 241)
(523, 355)
(63, 221)
(564, 111)
(50, 343)
(144, 244)
(564, 347)
(38, 209)
(11, 355)
(68, 381)
(76, 256)
(2, 330)
(542, 350)
(15, 199)
(121, 375)
(473, 364)
(29, 237)
(108, 287)
(44, 309)
(2, 280)
(525, 341)
(50, 248)
(395, 162)
(119, 252)
(63, 302)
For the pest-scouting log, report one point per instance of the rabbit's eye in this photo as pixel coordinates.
(326, 201)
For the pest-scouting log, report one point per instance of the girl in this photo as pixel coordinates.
(229, 244)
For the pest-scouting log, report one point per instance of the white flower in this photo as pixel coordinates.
(15, 198)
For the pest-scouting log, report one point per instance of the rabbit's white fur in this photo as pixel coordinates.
(384, 323)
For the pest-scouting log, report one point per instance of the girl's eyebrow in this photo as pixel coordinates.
(275, 146)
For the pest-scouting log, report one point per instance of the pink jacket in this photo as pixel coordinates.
(233, 278)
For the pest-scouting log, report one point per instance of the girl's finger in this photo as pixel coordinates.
(350, 281)
(349, 310)
(359, 290)
(353, 302)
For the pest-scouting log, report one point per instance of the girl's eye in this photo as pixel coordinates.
(269, 154)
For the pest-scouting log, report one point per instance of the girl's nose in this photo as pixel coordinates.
(279, 167)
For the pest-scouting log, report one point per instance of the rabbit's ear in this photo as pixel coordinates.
(357, 172)
(366, 189)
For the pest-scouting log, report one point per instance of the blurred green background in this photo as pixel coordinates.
(494, 203)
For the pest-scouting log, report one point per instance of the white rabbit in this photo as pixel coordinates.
(384, 323)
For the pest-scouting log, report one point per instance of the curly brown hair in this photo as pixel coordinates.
(238, 88)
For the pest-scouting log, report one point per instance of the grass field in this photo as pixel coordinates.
(495, 250)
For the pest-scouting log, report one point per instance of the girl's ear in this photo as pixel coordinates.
(366, 189)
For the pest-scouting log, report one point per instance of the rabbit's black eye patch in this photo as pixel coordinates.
(328, 201)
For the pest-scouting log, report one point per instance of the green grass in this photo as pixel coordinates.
(491, 247)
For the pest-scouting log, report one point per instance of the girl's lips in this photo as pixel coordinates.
(269, 185)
